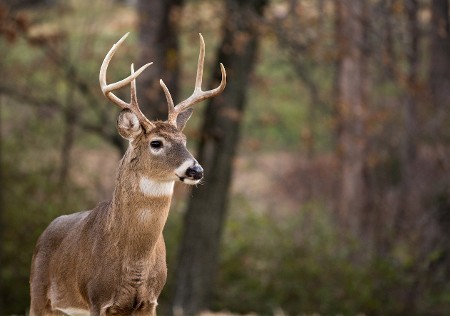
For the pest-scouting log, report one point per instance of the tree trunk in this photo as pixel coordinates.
(351, 95)
(24, 4)
(439, 76)
(410, 120)
(158, 37)
(204, 219)
(440, 53)
(2, 209)
(439, 80)
(70, 121)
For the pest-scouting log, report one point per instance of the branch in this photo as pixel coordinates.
(55, 104)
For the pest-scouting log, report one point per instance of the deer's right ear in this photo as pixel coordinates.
(128, 125)
(183, 117)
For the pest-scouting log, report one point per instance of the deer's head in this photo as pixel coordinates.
(158, 149)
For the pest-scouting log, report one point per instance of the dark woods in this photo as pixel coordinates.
(327, 183)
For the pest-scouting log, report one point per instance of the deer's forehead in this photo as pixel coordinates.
(167, 132)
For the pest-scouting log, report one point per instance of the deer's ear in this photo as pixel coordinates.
(128, 125)
(183, 117)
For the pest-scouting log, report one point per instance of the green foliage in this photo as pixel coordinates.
(280, 115)
(30, 205)
(299, 264)
(33, 197)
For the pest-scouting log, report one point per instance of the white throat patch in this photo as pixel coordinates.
(155, 188)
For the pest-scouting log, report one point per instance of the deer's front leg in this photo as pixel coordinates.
(145, 310)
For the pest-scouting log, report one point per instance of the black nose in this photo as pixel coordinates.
(195, 172)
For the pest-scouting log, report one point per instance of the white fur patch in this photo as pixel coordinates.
(155, 188)
(181, 170)
(74, 311)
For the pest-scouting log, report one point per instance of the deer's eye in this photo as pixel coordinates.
(156, 144)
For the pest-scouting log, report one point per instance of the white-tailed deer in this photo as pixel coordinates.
(111, 260)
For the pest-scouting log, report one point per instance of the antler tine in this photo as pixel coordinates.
(131, 79)
(198, 95)
(107, 88)
(172, 117)
(200, 63)
(134, 106)
(133, 97)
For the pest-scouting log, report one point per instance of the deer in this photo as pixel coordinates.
(111, 260)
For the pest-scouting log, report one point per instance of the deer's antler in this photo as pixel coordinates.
(131, 79)
(198, 95)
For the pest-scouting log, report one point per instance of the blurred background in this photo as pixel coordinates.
(327, 186)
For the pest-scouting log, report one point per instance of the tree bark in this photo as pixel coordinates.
(410, 119)
(439, 81)
(158, 37)
(439, 76)
(70, 121)
(23, 4)
(440, 52)
(2, 209)
(205, 216)
(351, 96)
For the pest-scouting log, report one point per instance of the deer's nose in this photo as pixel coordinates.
(195, 172)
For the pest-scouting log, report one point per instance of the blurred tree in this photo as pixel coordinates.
(440, 50)
(439, 75)
(351, 80)
(439, 83)
(70, 121)
(20, 4)
(158, 36)
(410, 120)
(205, 216)
(299, 45)
(410, 106)
(2, 209)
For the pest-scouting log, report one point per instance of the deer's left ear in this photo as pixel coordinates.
(183, 117)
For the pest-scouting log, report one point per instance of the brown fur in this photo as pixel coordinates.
(111, 260)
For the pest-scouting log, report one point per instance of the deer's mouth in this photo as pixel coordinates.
(189, 181)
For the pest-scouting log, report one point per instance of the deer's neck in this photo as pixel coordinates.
(139, 209)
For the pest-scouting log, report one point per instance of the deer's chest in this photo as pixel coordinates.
(139, 288)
